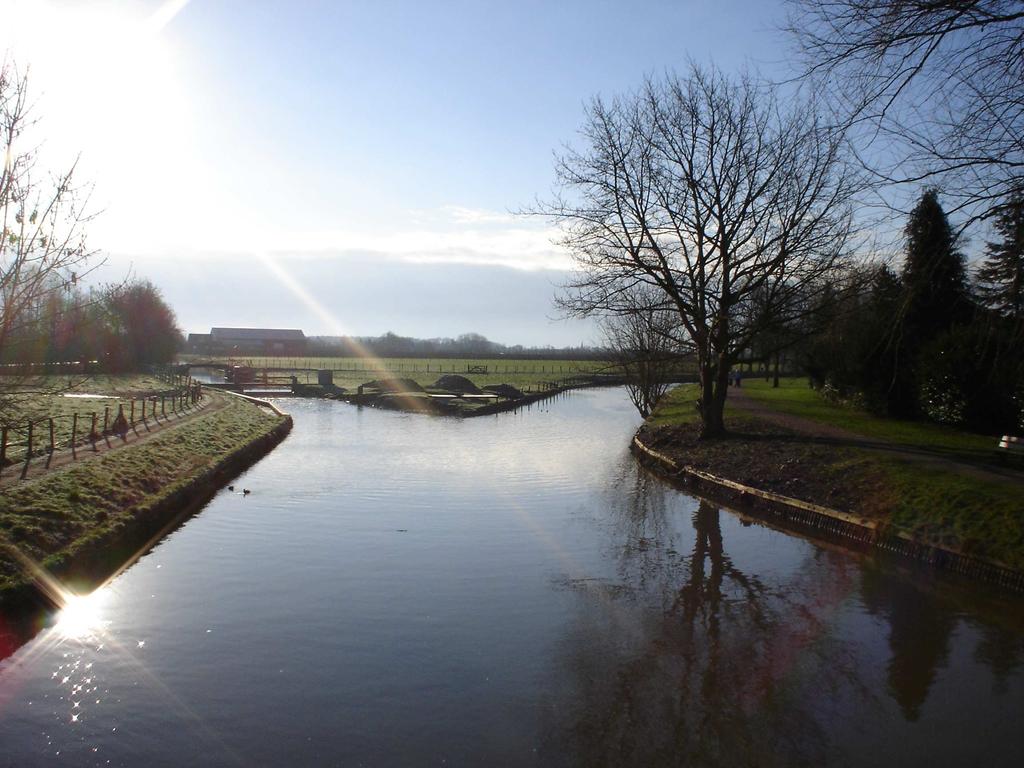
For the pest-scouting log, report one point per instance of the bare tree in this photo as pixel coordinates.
(709, 191)
(644, 344)
(43, 255)
(936, 85)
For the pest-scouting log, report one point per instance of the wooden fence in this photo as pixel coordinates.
(21, 443)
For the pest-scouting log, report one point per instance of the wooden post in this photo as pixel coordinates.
(28, 453)
(163, 406)
(3, 448)
(50, 457)
(92, 432)
(132, 417)
(74, 435)
(106, 425)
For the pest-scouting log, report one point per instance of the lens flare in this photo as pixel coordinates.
(375, 366)
(81, 616)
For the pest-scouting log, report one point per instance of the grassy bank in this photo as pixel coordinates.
(56, 516)
(928, 481)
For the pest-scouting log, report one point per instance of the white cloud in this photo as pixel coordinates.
(462, 215)
(431, 237)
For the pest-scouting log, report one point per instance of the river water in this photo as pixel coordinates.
(404, 590)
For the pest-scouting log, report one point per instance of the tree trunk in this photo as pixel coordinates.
(714, 384)
(775, 380)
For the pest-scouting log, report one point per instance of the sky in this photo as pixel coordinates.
(347, 167)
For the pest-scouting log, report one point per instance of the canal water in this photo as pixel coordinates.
(398, 590)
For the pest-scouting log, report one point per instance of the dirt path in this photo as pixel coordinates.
(938, 458)
(63, 459)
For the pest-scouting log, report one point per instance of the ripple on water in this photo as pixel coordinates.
(398, 587)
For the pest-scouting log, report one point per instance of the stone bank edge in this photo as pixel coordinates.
(814, 518)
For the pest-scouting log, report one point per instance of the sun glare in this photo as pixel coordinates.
(107, 85)
(81, 616)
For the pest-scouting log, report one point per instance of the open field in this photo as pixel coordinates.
(932, 482)
(407, 365)
(350, 372)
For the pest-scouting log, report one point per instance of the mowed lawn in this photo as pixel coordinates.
(796, 397)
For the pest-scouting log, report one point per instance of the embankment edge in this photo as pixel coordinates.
(813, 518)
(103, 556)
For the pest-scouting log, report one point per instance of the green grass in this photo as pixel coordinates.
(50, 517)
(795, 397)
(678, 406)
(959, 511)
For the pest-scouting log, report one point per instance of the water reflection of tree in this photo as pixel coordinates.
(691, 661)
(921, 626)
(1002, 651)
(686, 659)
(919, 634)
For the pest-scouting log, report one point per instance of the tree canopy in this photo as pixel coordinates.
(711, 192)
(934, 274)
(938, 86)
(43, 255)
(1001, 277)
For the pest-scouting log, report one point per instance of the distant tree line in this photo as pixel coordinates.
(931, 341)
(467, 345)
(117, 328)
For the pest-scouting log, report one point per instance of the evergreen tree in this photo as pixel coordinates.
(933, 274)
(1001, 277)
(883, 372)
